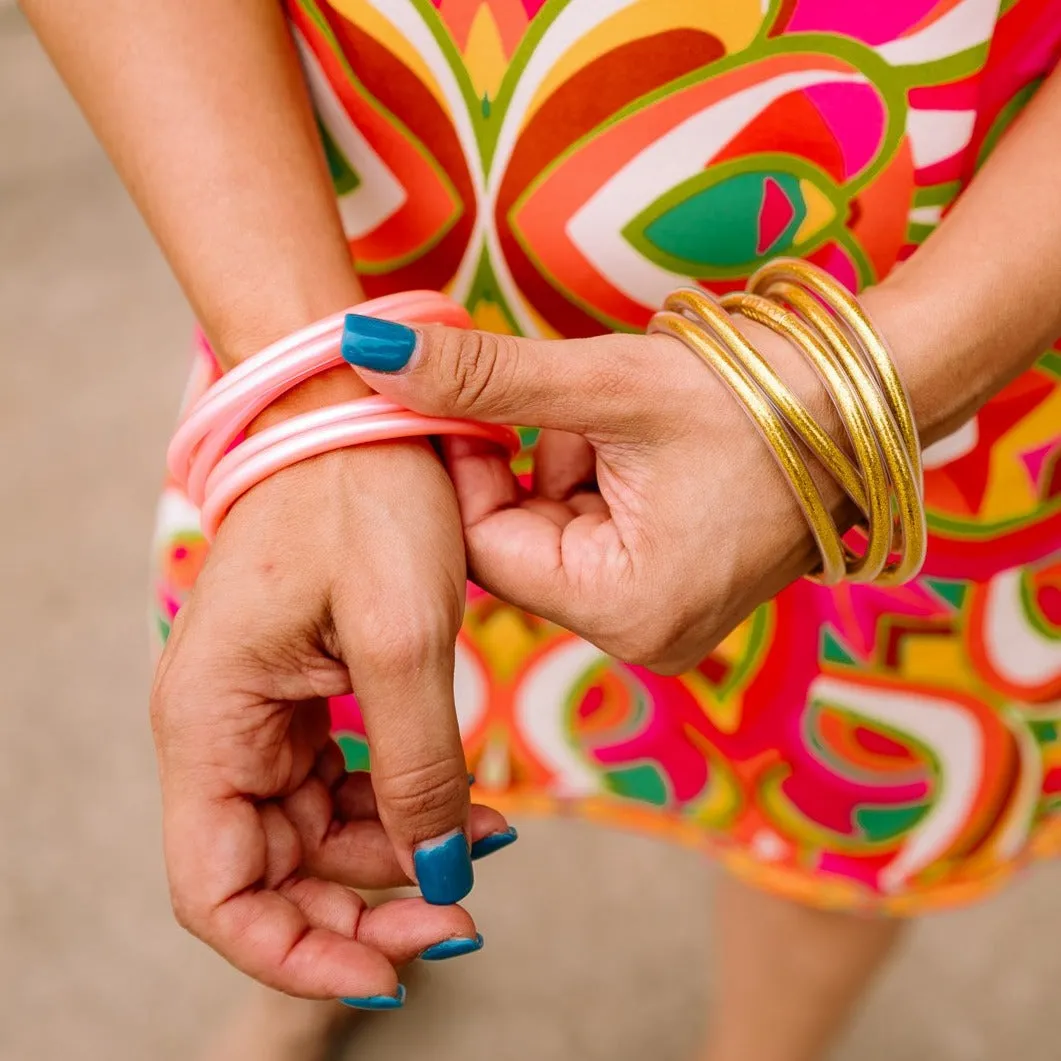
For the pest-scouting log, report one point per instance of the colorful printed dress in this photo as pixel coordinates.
(559, 166)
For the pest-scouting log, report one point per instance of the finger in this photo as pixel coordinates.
(550, 560)
(356, 853)
(301, 938)
(564, 464)
(361, 854)
(588, 503)
(283, 845)
(354, 798)
(540, 555)
(325, 904)
(484, 483)
(403, 929)
(401, 659)
(482, 477)
(331, 766)
(267, 936)
(399, 929)
(600, 384)
(217, 852)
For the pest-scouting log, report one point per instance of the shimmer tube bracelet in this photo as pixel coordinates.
(221, 415)
(831, 310)
(873, 497)
(215, 473)
(832, 331)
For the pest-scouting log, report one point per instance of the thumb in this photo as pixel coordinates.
(570, 385)
(402, 671)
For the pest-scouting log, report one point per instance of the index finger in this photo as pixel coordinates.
(539, 554)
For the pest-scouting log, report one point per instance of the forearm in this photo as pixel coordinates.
(202, 107)
(975, 305)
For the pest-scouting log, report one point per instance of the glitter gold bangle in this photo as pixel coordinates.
(848, 309)
(706, 310)
(876, 501)
(898, 444)
(904, 484)
(773, 431)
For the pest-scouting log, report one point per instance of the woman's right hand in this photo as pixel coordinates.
(341, 574)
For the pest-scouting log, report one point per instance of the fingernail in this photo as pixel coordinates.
(452, 948)
(382, 346)
(444, 870)
(494, 842)
(471, 780)
(377, 1002)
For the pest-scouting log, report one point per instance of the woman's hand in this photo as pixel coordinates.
(658, 518)
(341, 574)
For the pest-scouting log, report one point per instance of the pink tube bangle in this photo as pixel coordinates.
(215, 474)
(221, 415)
(311, 434)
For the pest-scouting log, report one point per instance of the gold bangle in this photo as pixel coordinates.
(848, 309)
(773, 431)
(903, 464)
(876, 502)
(706, 310)
(910, 530)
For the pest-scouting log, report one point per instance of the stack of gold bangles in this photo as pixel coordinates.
(828, 326)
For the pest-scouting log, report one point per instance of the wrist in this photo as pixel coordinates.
(951, 356)
(332, 387)
(245, 327)
(803, 381)
(912, 328)
(244, 335)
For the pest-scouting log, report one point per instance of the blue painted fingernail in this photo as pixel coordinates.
(377, 1002)
(494, 842)
(444, 870)
(452, 948)
(382, 346)
(471, 780)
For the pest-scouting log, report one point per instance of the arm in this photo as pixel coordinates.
(202, 107)
(341, 574)
(981, 299)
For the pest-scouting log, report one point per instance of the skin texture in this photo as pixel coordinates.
(346, 572)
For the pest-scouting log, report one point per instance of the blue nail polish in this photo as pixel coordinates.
(444, 870)
(494, 842)
(471, 780)
(382, 346)
(452, 948)
(377, 1002)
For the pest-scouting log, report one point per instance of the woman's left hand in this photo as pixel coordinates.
(657, 520)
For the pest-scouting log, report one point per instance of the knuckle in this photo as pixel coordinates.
(622, 380)
(473, 368)
(403, 646)
(432, 795)
(619, 375)
(407, 638)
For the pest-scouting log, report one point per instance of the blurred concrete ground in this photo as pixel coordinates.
(596, 942)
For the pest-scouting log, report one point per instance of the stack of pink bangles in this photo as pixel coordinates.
(210, 457)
